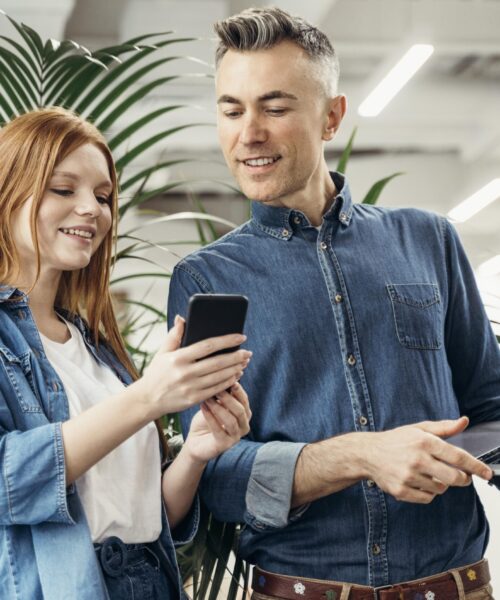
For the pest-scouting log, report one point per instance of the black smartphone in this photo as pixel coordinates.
(212, 315)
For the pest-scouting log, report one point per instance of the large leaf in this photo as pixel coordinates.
(126, 133)
(374, 192)
(17, 82)
(143, 146)
(346, 154)
(23, 55)
(127, 102)
(105, 84)
(146, 173)
(182, 217)
(31, 39)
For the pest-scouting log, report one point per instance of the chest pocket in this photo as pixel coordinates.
(417, 313)
(20, 375)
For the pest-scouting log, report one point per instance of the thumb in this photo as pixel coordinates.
(445, 428)
(174, 336)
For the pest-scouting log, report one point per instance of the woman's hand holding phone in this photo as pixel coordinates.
(220, 424)
(178, 378)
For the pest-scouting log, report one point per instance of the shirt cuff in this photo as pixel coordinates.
(185, 531)
(269, 491)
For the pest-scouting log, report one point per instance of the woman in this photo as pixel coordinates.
(83, 502)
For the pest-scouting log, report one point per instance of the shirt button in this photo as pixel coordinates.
(343, 217)
(370, 483)
(351, 360)
(55, 387)
(323, 246)
(285, 233)
(376, 549)
(20, 314)
(297, 220)
(338, 298)
(363, 420)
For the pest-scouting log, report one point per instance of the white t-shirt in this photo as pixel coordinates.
(121, 494)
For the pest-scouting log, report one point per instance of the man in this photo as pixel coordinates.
(369, 338)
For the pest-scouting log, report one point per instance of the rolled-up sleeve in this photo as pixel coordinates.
(270, 487)
(33, 477)
(187, 528)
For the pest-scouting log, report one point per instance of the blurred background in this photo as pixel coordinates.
(442, 130)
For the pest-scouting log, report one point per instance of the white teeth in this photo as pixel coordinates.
(260, 162)
(78, 232)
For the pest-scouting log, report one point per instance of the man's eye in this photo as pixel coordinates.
(277, 112)
(233, 114)
(60, 192)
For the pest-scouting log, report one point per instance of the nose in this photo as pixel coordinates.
(88, 205)
(253, 130)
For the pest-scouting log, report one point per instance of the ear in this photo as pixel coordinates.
(336, 108)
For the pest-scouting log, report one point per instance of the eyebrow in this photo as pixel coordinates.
(75, 177)
(275, 94)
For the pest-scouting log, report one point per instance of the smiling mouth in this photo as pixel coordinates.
(78, 233)
(262, 161)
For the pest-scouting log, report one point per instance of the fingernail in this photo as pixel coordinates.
(176, 320)
(243, 337)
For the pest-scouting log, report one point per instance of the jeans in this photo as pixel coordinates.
(133, 571)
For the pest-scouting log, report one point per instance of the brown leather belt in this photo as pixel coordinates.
(439, 587)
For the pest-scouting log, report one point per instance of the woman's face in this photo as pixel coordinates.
(74, 215)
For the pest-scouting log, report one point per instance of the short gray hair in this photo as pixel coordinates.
(261, 28)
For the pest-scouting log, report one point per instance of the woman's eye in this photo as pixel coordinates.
(103, 199)
(60, 192)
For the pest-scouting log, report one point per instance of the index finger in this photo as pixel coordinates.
(462, 460)
(209, 346)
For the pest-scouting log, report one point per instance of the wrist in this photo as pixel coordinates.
(189, 456)
(139, 395)
(356, 446)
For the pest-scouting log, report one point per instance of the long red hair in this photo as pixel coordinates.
(31, 146)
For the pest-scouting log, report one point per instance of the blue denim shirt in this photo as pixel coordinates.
(46, 550)
(372, 322)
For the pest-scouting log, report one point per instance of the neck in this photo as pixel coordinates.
(42, 296)
(315, 199)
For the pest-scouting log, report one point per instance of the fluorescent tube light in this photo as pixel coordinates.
(486, 195)
(490, 267)
(397, 77)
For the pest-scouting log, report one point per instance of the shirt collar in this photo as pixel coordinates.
(7, 292)
(278, 221)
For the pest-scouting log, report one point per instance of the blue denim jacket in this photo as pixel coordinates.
(46, 551)
(371, 323)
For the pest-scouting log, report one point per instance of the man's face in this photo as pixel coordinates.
(273, 117)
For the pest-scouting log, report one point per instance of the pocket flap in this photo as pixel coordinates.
(419, 295)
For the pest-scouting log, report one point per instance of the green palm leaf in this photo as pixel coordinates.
(377, 188)
(346, 154)
(34, 43)
(9, 65)
(146, 173)
(143, 146)
(23, 55)
(139, 124)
